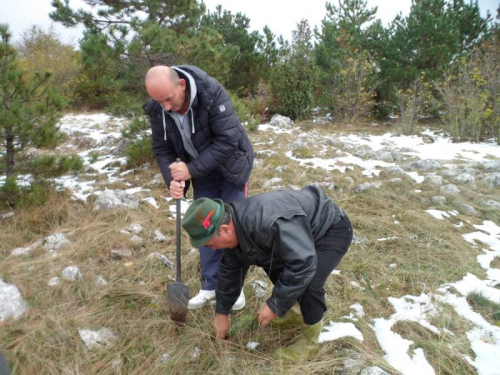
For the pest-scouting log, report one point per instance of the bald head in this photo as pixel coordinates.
(164, 85)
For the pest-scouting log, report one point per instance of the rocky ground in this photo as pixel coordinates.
(427, 239)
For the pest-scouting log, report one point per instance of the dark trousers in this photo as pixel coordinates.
(330, 249)
(209, 259)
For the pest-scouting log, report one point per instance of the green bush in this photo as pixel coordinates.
(244, 109)
(14, 196)
(53, 166)
(140, 151)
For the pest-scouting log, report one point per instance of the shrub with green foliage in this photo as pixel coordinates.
(293, 78)
(470, 93)
(245, 112)
(14, 196)
(52, 166)
(140, 148)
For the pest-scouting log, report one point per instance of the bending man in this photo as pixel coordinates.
(297, 237)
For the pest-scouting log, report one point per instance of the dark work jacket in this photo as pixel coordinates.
(224, 150)
(276, 231)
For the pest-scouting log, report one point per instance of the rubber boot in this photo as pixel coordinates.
(292, 318)
(307, 343)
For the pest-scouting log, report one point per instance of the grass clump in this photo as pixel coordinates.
(488, 309)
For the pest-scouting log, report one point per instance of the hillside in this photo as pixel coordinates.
(82, 278)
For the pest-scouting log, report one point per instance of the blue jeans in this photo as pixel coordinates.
(209, 259)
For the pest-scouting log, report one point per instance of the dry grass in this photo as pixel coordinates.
(426, 254)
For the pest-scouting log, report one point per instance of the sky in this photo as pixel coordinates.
(277, 14)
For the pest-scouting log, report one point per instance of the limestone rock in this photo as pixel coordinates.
(424, 165)
(12, 304)
(159, 237)
(281, 121)
(71, 273)
(450, 189)
(439, 199)
(433, 179)
(97, 339)
(492, 179)
(115, 199)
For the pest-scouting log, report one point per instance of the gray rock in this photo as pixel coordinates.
(108, 141)
(136, 239)
(71, 273)
(492, 179)
(491, 165)
(272, 181)
(353, 364)
(159, 237)
(163, 259)
(433, 179)
(360, 241)
(260, 288)
(55, 241)
(465, 208)
(397, 156)
(281, 168)
(97, 339)
(364, 152)
(258, 162)
(115, 199)
(490, 203)
(12, 304)
(465, 178)
(395, 180)
(54, 281)
(281, 121)
(25, 250)
(121, 147)
(373, 370)
(424, 165)
(7, 215)
(325, 185)
(367, 186)
(121, 253)
(450, 189)
(439, 199)
(99, 280)
(384, 155)
(394, 170)
(135, 228)
(447, 173)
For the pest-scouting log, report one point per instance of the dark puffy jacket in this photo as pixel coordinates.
(224, 150)
(276, 231)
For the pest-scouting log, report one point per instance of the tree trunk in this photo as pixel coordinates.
(10, 152)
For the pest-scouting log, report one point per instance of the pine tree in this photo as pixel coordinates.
(124, 38)
(346, 45)
(435, 33)
(245, 60)
(293, 78)
(29, 110)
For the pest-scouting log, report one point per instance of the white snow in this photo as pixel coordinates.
(336, 331)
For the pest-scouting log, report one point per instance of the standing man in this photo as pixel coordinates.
(297, 237)
(192, 118)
